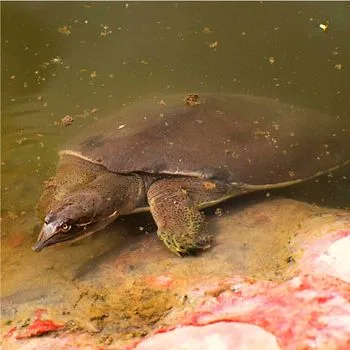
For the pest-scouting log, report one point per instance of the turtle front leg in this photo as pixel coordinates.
(174, 204)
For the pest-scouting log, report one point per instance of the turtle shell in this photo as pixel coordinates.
(233, 138)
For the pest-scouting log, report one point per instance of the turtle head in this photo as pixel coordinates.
(75, 217)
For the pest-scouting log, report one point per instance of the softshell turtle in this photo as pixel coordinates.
(176, 155)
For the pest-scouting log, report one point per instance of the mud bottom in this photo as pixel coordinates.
(277, 277)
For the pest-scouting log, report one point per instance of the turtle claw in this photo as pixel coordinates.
(184, 247)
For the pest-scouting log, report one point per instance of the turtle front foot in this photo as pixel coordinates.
(181, 226)
(181, 244)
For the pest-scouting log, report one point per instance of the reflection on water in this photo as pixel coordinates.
(85, 59)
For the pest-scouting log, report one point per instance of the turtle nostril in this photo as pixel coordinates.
(48, 219)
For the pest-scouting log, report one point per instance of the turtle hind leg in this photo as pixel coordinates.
(175, 203)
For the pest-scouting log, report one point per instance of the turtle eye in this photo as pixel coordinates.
(65, 227)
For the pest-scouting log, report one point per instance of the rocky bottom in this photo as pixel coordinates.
(277, 277)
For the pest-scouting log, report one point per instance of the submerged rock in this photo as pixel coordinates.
(278, 275)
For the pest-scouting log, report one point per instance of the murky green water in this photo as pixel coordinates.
(86, 59)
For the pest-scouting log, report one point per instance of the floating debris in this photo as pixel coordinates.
(67, 120)
(275, 126)
(192, 100)
(291, 173)
(338, 66)
(56, 60)
(214, 44)
(19, 141)
(121, 126)
(324, 26)
(65, 30)
(206, 30)
(272, 60)
(105, 30)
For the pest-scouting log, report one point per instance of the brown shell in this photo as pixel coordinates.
(234, 138)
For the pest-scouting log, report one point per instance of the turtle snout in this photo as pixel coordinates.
(48, 231)
(38, 247)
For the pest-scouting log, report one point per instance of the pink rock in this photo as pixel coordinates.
(329, 256)
(217, 336)
(336, 260)
(306, 312)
